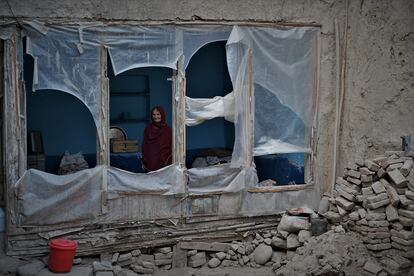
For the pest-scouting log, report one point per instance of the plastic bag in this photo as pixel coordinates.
(71, 163)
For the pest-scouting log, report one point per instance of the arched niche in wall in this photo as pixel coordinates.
(206, 77)
(56, 123)
(133, 93)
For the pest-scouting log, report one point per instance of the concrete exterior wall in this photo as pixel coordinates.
(379, 94)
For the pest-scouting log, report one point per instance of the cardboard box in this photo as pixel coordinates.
(119, 146)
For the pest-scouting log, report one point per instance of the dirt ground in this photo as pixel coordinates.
(9, 265)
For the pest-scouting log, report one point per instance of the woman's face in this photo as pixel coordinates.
(156, 116)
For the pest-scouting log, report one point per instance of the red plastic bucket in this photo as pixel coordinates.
(61, 256)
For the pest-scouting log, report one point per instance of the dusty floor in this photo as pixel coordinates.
(9, 265)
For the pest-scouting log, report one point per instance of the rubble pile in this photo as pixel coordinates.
(265, 248)
(332, 253)
(134, 262)
(375, 198)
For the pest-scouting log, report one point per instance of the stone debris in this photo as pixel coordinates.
(371, 232)
(383, 212)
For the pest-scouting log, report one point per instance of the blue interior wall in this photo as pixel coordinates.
(151, 80)
(64, 121)
(207, 76)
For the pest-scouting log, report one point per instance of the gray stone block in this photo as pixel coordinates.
(355, 181)
(402, 241)
(345, 194)
(375, 216)
(378, 204)
(292, 241)
(378, 187)
(371, 165)
(392, 213)
(163, 262)
(406, 213)
(397, 178)
(279, 242)
(366, 178)
(164, 250)
(353, 173)
(379, 235)
(406, 167)
(367, 191)
(136, 252)
(263, 253)
(141, 270)
(372, 267)
(378, 247)
(220, 255)
(98, 266)
(405, 201)
(378, 223)
(366, 171)
(344, 203)
(409, 194)
(407, 222)
(114, 258)
(362, 213)
(162, 256)
(214, 262)
(124, 257)
(392, 193)
(197, 260)
(377, 198)
(381, 172)
(146, 257)
(332, 216)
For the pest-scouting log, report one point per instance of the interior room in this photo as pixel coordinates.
(206, 77)
(58, 125)
(132, 96)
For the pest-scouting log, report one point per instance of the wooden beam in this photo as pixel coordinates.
(14, 124)
(278, 189)
(102, 154)
(206, 246)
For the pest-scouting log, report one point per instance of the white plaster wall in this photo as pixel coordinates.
(379, 96)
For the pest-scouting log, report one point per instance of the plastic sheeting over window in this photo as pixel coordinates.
(72, 197)
(283, 79)
(220, 178)
(272, 72)
(200, 110)
(79, 196)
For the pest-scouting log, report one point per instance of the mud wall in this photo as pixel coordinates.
(379, 86)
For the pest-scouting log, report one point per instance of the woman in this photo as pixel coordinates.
(157, 142)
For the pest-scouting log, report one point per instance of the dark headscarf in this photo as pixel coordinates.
(157, 143)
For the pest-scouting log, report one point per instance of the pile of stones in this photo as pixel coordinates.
(375, 198)
(134, 262)
(263, 248)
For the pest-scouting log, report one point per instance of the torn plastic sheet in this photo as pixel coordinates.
(200, 110)
(282, 73)
(237, 62)
(44, 198)
(167, 181)
(59, 66)
(220, 178)
(6, 32)
(78, 196)
(67, 59)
